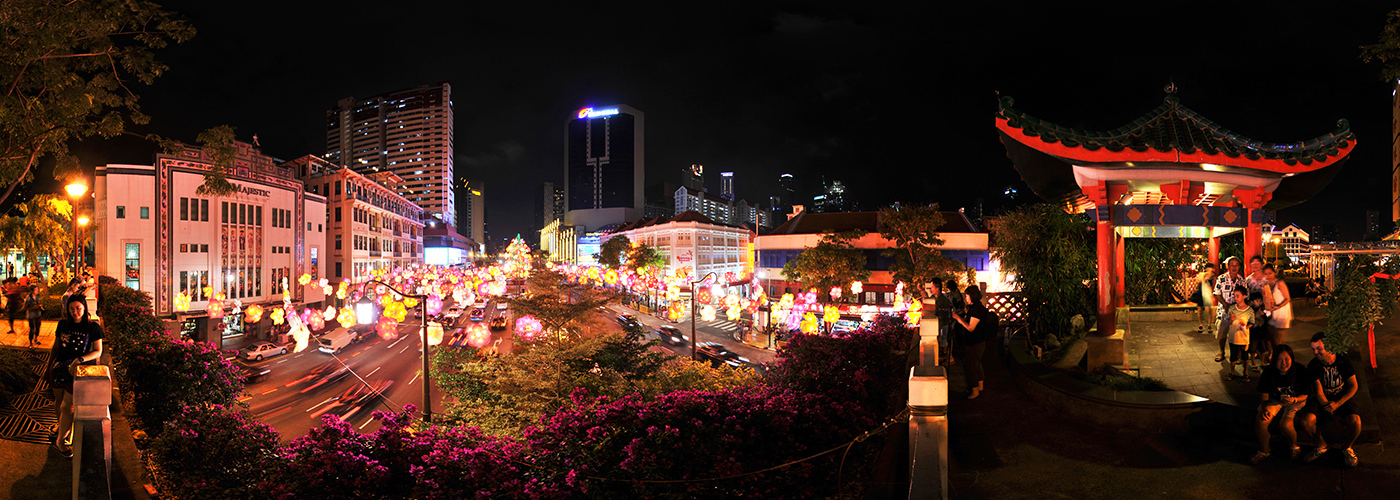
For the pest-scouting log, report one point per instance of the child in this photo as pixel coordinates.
(1258, 332)
(1241, 317)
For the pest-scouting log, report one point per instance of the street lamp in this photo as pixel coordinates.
(76, 189)
(364, 314)
(693, 339)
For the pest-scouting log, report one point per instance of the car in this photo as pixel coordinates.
(477, 314)
(718, 355)
(251, 374)
(498, 323)
(628, 321)
(256, 351)
(452, 312)
(501, 305)
(672, 335)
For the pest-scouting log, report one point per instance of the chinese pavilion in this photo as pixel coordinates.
(1170, 173)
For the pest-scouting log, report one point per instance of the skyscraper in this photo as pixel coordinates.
(549, 204)
(787, 190)
(693, 177)
(471, 215)
(726, 185)
(407, 132)
(603, 166)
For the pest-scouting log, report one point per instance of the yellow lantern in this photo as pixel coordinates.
(346, 316)
(304, 280)
(832, 314)
(434, 333)
(253, 314)
(278, 316)
(809, 323)
(182, 301)
(707, 313)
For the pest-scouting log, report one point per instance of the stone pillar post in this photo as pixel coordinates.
(92, 432)
(928, 335)
(928, 432)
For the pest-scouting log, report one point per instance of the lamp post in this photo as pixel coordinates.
(423, 320)
(693, 339)
(76, 189)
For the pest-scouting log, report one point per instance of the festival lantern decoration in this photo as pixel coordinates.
(317, 320)
(707, 313)
(703, 296)
(868, 312)
(434, 333)
(835, 293)
(278, 316)
(304, 280)
(347, 316)
(329, 313)
(856, 287)
(216, 311)
(915, 313)
(434, 305)
(528, 328)
(832, 314)
(182, 301)
(410, 302)
(673, 293)
(396, 310)
(326, 286)
(208, 291)
(253, 314)
(388, 329)
(478, 335)
(343, 291)
(219, 297)
(809, 323)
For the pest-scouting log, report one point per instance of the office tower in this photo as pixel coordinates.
(549, 204)
(726, 185)
(604, 166)
(471, 214)
(787, 190)
(693, 177)
(407, 132)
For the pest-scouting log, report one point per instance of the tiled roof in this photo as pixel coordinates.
(1172, 127)
(686, 216)
(817, 223)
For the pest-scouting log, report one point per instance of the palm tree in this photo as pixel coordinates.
(42, 230)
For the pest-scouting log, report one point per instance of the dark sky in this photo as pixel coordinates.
(894, 99)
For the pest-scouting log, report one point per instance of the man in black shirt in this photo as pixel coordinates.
(1333, 386)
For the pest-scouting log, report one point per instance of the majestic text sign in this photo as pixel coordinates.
(253, 191)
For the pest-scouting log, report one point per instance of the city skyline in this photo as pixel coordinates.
(826, 92)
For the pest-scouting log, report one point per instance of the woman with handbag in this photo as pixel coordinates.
(77, 340)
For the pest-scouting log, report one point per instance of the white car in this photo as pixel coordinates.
(501, 306)
(452, 312)
(258, 350)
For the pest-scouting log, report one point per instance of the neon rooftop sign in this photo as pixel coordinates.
(596, 113)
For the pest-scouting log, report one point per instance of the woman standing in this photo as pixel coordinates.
(33, 314)
(77, 340)
(1282, 392)
(1280, 306)
(978, 326)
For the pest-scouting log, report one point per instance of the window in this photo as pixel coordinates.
(121, 212)
(133, 266)
(337, 264)
(259, 222)
(184, 249)
(337, 210)
(337, 247)
(203, 248)
(242, 214)
(204, 210)
(337, 189)
(145, 212)
(184, 209)
(319, 229)
(225, 210)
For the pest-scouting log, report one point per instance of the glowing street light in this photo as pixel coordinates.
(75, 190)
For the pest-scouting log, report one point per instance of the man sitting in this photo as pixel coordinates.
(1333, 386)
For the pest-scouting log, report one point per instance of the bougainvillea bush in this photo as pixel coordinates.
(214, 452)
(698, 444)
(865, 366)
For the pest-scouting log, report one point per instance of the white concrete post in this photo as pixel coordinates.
(928, 432)
(928, 335)
(92, 432)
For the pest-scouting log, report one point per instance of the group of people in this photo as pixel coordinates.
(1252, 312)
(22, 301)
(965, 326)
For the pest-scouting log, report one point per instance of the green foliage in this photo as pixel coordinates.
(1051, 254)
(16, 374)
(1123, 382)
(184, 464)
(1153, 267)
(1357, 303)
(218, 143)
(914, 232)
(66, 69)
(558, 304)
(612, 252)
(44, 229)
(833, 262)
(645, 258)
(1386, 50)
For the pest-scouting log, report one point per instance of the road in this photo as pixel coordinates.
(302, 386)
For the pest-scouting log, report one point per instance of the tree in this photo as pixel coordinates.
(833, 262)
(914, 231)
(1153, 268)
(644, 258)
(43, 230)
(557, 303)
(611, 252)
(1386, 50)
(67, 70)
(1050, 253)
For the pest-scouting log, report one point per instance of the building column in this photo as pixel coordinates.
(1213, 252)
(1106, 310)
(1251, 200)
(1120, 269)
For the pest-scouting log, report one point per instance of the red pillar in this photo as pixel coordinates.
(1120, 271)
(1251, 200)
(1213, 252)
(1107, 315)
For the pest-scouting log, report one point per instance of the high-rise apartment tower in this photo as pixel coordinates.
(603, 166)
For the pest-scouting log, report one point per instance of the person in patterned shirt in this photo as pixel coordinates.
(1225, 286)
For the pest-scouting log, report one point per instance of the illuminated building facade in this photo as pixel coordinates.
(604, 166)
(695, 245)
(370, 226)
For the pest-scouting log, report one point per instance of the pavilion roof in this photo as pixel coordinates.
(1170, 135)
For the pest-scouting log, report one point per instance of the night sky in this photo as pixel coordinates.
(896, 100)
